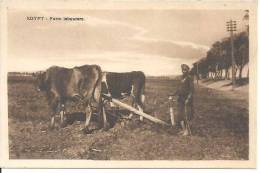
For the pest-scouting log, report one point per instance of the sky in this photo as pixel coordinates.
(154, 41)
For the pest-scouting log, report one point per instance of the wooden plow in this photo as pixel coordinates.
(172, 100)
(131, 109)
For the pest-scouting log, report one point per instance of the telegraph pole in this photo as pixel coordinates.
(231, 27)
(197, 69)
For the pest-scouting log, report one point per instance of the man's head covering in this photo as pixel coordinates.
(185, 67)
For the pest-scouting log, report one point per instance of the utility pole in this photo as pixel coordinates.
(231, 27)
(197, 69)
(246, 19)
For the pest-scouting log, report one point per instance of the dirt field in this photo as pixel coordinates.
(220, 129)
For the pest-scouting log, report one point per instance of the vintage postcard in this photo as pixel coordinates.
(127, 84)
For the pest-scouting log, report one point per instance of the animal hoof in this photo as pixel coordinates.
(106, 127)
(186, 133)
(86, 131)
(62, 125)
(180, 133)
(51, 127)
(130, 116)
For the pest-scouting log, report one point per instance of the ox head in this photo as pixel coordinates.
(40, 81)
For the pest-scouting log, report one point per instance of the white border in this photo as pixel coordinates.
(98, 4)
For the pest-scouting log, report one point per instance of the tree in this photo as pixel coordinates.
(219, 57)
(241, 44)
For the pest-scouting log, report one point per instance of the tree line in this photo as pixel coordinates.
(218, 60)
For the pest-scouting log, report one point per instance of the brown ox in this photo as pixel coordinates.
(79, 83)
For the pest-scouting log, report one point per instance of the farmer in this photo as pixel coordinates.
(185, 100)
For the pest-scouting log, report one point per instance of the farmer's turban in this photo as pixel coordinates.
(185, 67)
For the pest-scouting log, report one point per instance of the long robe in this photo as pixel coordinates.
(186, 88)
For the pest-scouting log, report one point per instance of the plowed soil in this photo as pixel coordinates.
(219, 128)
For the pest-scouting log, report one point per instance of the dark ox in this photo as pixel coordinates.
(120, 85)
(79, 83)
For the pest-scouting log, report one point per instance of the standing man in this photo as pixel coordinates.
(185, 100)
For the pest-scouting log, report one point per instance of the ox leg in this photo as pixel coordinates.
(52, 121)
(88, 117)
(54, 106)
(140, 109)
(186, 131)
(105, 122)
(62, 114)
(131, 114)
(140, 106)
(182, 123)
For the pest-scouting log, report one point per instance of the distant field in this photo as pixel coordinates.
(220, 128)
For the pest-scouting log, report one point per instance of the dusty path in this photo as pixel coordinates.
(220, 129)
(226, 87)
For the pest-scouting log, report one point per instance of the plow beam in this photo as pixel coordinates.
(126, 106)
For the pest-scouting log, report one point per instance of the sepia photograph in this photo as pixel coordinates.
(130, 84)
